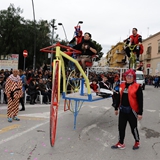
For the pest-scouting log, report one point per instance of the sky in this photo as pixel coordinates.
(109, 21)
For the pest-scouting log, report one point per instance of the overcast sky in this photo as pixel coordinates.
(109, 21)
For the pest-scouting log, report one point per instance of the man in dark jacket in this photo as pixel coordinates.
(32, 90)
(87, 48)
(46, 94)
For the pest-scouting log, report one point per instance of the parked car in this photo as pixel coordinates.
(140, 79)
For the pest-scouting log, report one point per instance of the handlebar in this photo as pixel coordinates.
(69, 51)
(131, 46)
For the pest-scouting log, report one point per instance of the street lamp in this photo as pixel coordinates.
(34, 57)
(80, 22)
(60, 24)
(53, 28)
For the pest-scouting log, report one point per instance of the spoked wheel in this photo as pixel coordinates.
(73, 82)
(55, 101)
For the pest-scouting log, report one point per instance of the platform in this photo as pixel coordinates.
(76, 96)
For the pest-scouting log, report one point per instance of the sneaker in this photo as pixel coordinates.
(16, 118)
(136, 145)
(9, 119)
(118, 145)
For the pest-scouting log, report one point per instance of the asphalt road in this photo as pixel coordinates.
(96, 131)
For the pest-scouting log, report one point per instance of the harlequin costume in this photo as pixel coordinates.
(13, 90)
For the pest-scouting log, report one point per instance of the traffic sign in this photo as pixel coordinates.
(25, 53)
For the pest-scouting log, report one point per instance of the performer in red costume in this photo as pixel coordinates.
(134, 39)
(130, 105)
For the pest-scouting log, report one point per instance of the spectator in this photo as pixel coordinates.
(24, 82)
(156, 82)
(44, 91)
(116, 85)
(105, 87)
(33, 90)
(94, 85)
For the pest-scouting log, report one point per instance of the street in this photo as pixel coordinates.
(96, 132)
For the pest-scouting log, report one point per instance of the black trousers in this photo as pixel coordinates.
(156, 84)
(137, 50)
(132, 119)
(33, 97)
(46, 96)
(22, 101)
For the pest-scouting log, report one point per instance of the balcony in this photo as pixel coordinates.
(120, 52)
(119, 61)
(147, 57)
(110, 56)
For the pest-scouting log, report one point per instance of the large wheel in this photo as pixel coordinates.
(73, 82)
(54, 102)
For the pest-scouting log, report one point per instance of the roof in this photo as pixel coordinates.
(151, 36)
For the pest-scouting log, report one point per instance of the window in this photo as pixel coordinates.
(158, 46)
(139, 77)
(149, 49)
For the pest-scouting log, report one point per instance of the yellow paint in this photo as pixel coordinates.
(63, 74)
(59, 57)
(80, 69)
(23, 117)
(9, 128)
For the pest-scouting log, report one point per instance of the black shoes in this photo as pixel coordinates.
(23, 109)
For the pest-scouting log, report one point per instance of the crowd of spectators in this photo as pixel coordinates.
(152, 80)
(40, 82)
(34, 83)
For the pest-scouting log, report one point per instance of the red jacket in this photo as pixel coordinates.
(134, 40)
(132, 89)
(94, 87)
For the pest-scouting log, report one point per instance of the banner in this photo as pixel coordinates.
(9, 61)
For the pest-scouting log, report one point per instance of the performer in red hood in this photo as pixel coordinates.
(79, 36)
(130, 106)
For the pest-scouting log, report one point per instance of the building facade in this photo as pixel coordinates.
(103, 62)
(151, 55)
(115, 56)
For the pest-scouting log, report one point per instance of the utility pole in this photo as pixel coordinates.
(34, 54)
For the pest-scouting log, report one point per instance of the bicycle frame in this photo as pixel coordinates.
(59, 56)
(132, 60)
(58, 66)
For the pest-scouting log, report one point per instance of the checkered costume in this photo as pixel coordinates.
(13, 90)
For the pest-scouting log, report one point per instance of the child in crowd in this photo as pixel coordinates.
(94, 85)
(105, 87)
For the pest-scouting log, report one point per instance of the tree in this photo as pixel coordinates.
(10, 23)
(16, 35)
(99, 49)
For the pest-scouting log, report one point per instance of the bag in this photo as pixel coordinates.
(126, 109)
(104, 95)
